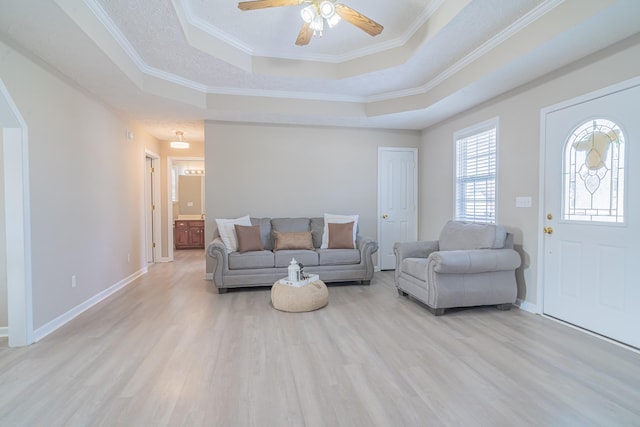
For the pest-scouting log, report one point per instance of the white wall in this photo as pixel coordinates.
(518, 150)
(87, 189)
(281, 171)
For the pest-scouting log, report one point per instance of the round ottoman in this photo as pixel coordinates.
(309, 297)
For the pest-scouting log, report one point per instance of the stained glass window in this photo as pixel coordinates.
(594, 173)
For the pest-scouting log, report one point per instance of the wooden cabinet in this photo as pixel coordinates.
(188, 234)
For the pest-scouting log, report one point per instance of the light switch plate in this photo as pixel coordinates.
(523, 202)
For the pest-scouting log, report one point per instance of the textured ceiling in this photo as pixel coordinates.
(171, 64)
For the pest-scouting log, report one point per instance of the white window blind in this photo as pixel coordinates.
(475, 196)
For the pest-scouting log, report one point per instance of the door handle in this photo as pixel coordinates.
(385, 216)
(548, 230)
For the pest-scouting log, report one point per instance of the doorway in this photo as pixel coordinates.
(190, 208)
(591, 213)
(17, 221)
(397, 201)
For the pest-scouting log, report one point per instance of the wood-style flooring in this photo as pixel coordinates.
(169, 351)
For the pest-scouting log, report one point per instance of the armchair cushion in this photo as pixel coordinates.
(474, 261)
(458, 235)
(416, 267)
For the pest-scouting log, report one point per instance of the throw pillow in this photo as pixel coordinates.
(228, 233)
(292, 240)
(338, 219)
(341, 236)
(248, 238)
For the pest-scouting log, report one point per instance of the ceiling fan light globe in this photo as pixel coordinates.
(327, 9)
(333, 21)
(308, 14)
(317, 24)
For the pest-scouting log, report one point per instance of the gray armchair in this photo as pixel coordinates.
(470, 265)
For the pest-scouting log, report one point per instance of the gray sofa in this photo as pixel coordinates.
(263, 268)
(470, 265)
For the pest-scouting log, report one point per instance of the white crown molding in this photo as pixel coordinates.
(309, 96)
(212, 30)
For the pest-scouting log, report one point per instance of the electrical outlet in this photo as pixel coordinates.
(73, 281)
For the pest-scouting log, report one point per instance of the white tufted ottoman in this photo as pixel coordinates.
(295, 300)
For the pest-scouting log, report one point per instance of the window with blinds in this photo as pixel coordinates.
(475, 196)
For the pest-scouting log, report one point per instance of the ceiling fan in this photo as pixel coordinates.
(316, 13)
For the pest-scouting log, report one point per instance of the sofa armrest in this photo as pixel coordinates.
(420, 249)
(218, 252)
(474, 261)
(367, 248)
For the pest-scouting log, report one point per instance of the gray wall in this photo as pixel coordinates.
(279, 171)
(518, 150)
(87, 189)
(3, 246)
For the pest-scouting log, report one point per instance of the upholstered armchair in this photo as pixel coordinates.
(469, 265)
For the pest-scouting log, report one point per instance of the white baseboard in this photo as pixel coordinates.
(165, 259)
(527, 306)
(4, 332)
(59, 321)
(208, 276)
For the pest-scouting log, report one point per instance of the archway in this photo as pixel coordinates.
(17, 221)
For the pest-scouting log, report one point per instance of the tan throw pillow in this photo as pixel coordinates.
(248, 238)
(292, 240)
(341, 236)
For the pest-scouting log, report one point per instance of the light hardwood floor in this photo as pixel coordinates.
(168, 351)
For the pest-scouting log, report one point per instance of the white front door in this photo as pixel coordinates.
(592, 213)
(397, 201)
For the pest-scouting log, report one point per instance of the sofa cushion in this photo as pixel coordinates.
(290, 224)
(416, 267)
(317, 228)
(257, 259)
(339, 219)
(304, 257)
(338, 256)
(228, 233)
(459, 235)
(248, 238)
(341, 236)
(265, 231)
(292, 240)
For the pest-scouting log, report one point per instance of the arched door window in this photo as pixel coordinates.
(594, 173)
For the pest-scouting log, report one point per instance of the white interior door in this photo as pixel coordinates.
(397, 201)
(592, 214)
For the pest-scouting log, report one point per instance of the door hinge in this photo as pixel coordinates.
(153, 170)
(154, 245)
(153, 207)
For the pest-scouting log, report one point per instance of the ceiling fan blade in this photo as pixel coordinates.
(263, 4)
(359, 20)
(304, 37)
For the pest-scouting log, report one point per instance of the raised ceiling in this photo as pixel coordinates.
(172, 64)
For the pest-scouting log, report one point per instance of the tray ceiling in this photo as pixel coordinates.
(167, 62)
